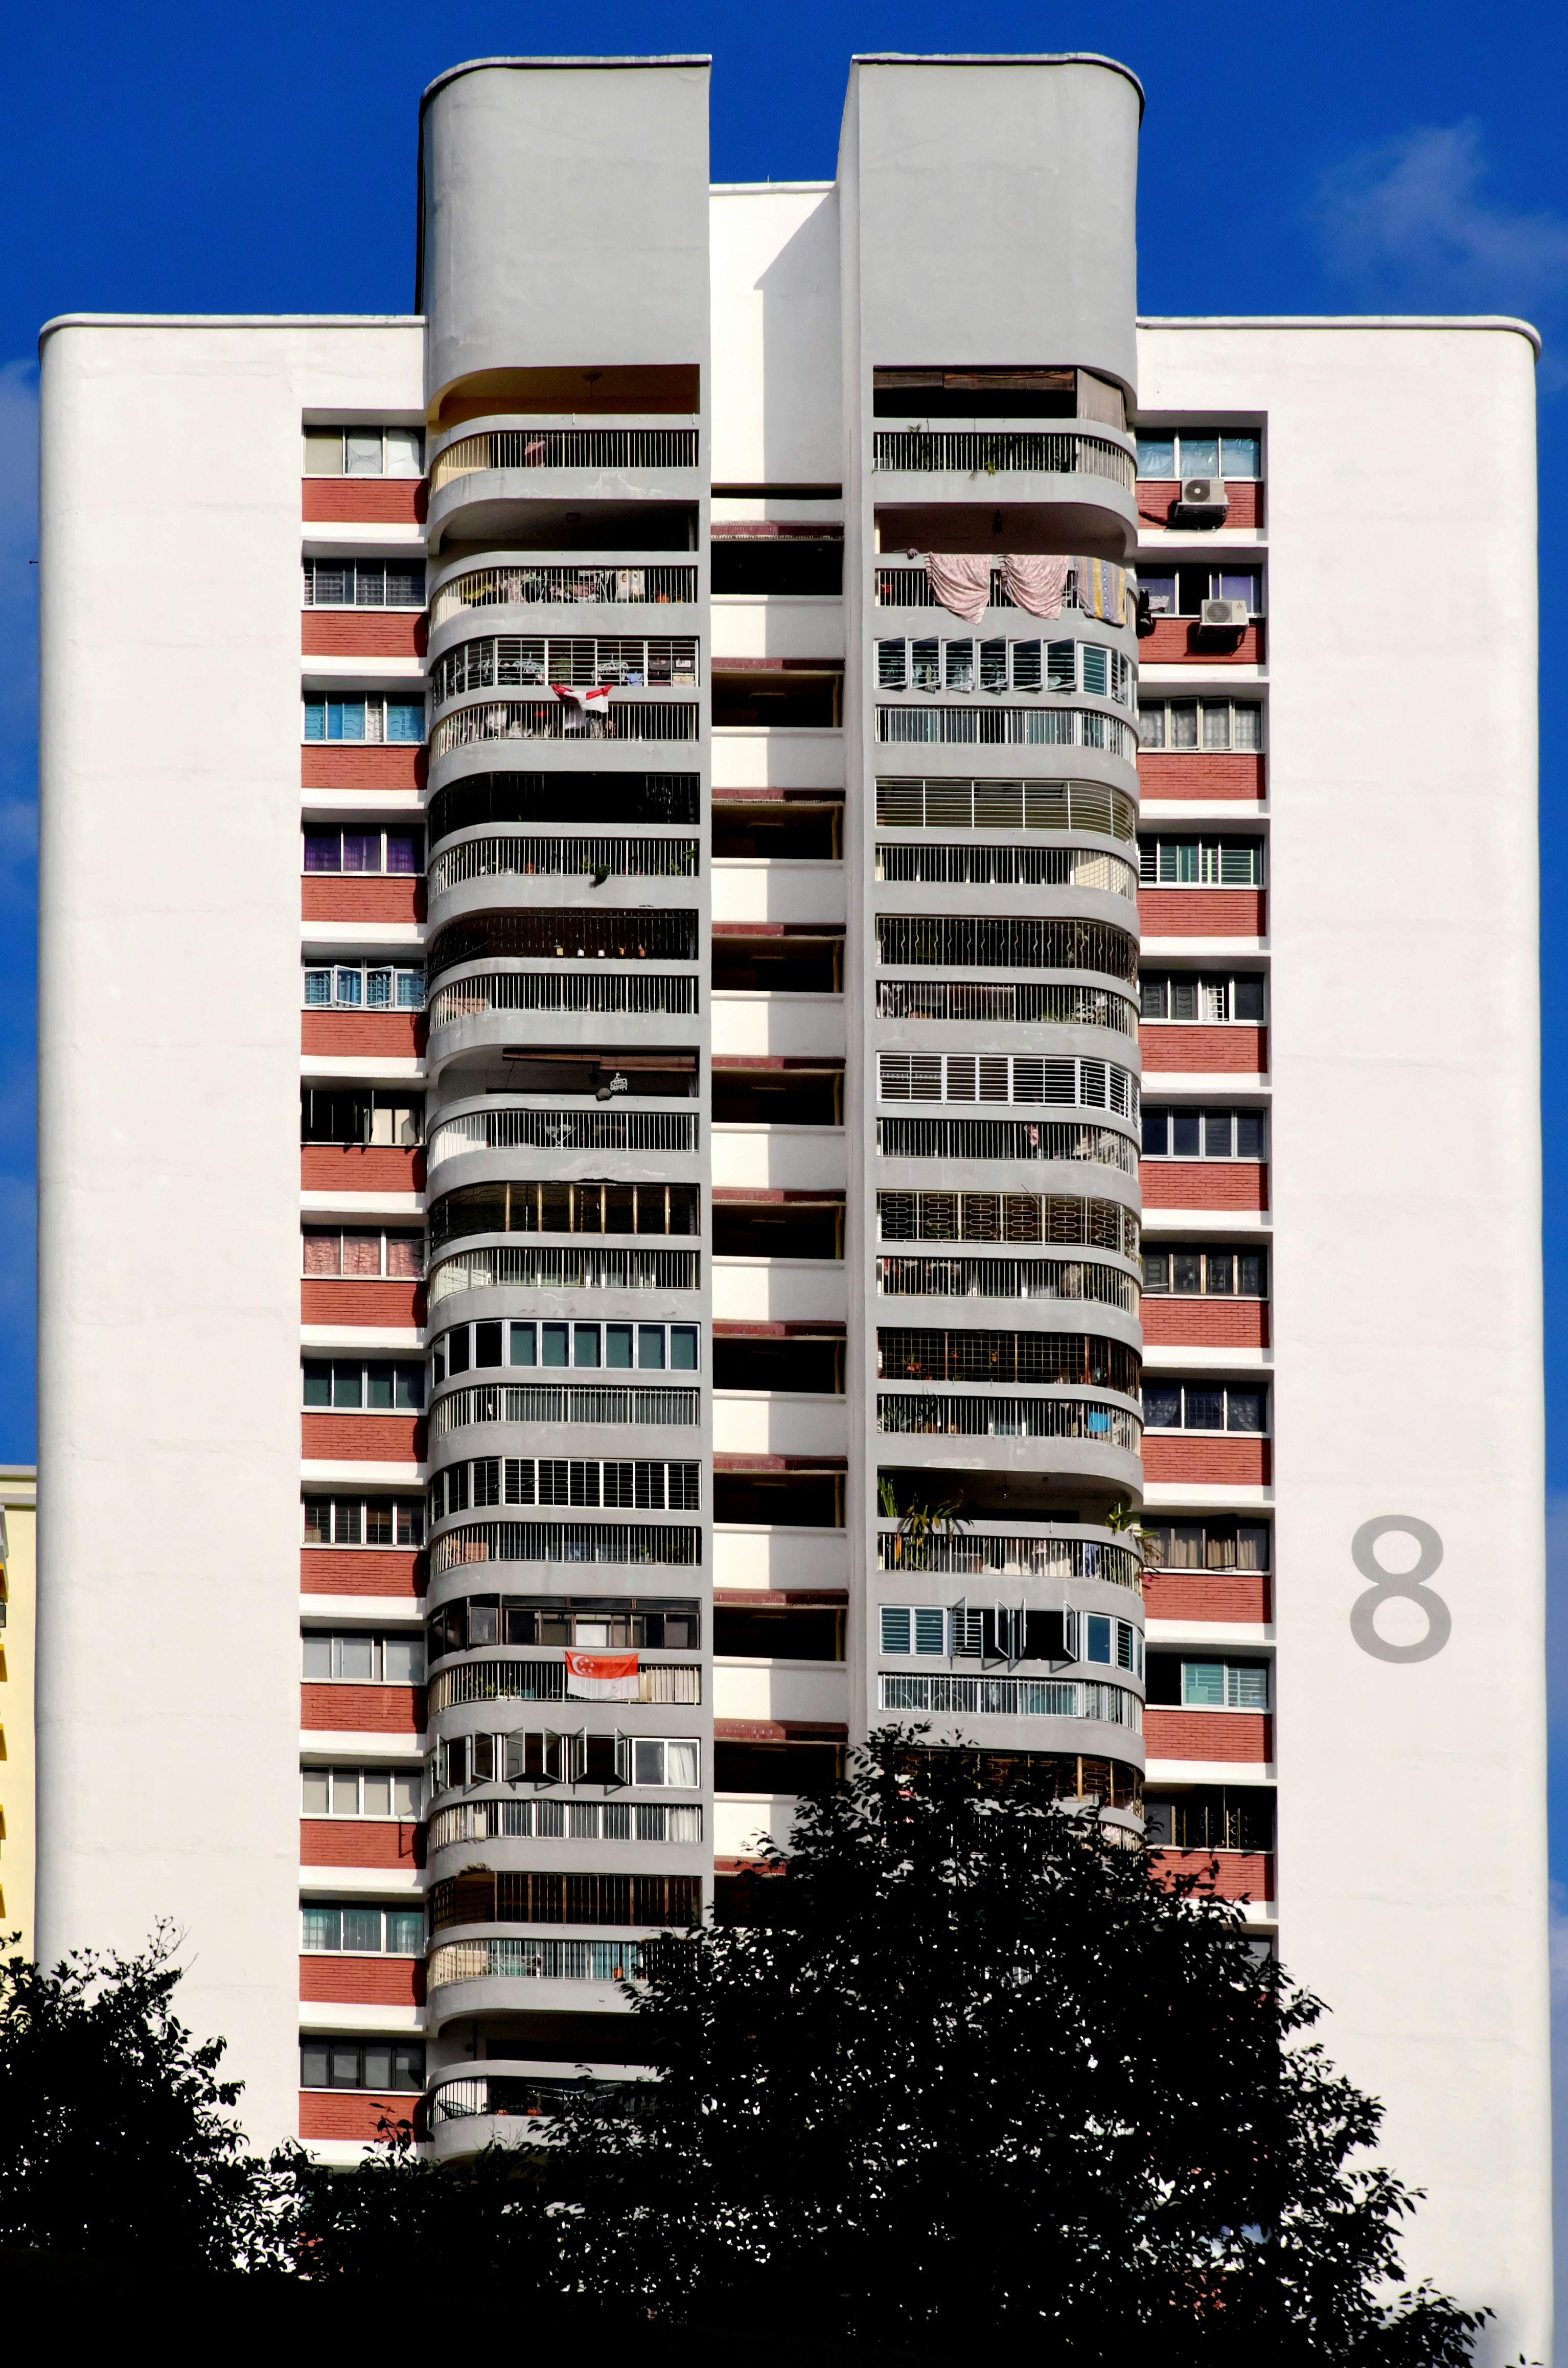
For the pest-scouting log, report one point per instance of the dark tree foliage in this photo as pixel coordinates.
(981, 2074)
(489, 2215)
(116, 2145)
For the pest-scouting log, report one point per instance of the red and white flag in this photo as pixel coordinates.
(601, 1676)
(587, 702)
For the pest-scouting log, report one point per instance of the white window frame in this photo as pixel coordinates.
(1218, 988)
(410, 1502)
(439, 1363)
(398, 444)
(1204, 705)
(966, 664)
(1184, 1430)
(402, 1773)
(1204, 1112)
(379, 1639)
(348, 984)
(375, 734)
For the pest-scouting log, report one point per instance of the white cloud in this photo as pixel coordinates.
(1407, 222)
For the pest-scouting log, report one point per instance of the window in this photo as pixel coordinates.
(515, 661)
(936, 664)
(364, 986)
(581, 1347)
(351, 1385)
(1203, 1405)
(360, 1657)
(1197, 453)
(364, 452)
(359, 1115)
(362, 1256)
(364, 1521)
(1211, 1818)
(1095, 1638)
(1005, 1217)
(1214, 1001)
(523, 1207)
(1224, 1685)
(1181, 591)
(1190, 1133)
(352, 1931)
(521, 1480)
(1206, 1545)
(1206, 1273)
(373, 719)
(400, 852)
(1210, 724)
(591, 1622)
(1006, 1078)
(670, 1763)
(388, 2067)
(1007, 1631)
(364, 584)
(361, 1792)
(1200, 862)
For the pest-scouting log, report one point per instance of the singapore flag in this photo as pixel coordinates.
(585, 704)
(601, 1676)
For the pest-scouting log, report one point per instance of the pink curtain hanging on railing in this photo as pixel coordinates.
(1034, 583)
(962, 581)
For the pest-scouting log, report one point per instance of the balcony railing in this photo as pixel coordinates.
(1007, 1277)
(916, 1416)
(1096, 588)
(567, 933)
(1049, 1007)
(914, 804)
(566, 1269)
(640, 1545)
(567, 448)
(1077, 1359)
(602, 859)
(986, 941)
(1017, 1078)
(929, 452)
(1013, 1698)
(507, 661)
(544, 1820)
(1016, 727)
(558, 991)
(537, 1961)
(1054, 1217)
(527, 1896)
(509, 2097)
(568, 1402)
(489, 1682)
(1027, 867)
(554, 719)
(1015, 1140)
(536, 587)
(1026, 1557)
(532, 1130)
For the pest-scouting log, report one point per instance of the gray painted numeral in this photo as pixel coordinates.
(1399, 1586)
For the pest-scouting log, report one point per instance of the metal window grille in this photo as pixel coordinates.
(1031, 867)
(1013, 1077)
(971, 1278)
(566, 934)
(644, 858)
(1010, 1139)
(975, 941)
(913, 1416)
(1014, 1698)
(562, 1401)
(540, 1207)
(917, 804)
(549, 1961)
(1200, 862)
(960, 662)
(1058, 1007)
(528, 588)
(567, 448)
(566, 1269)
(642, 1821)
(639, 1544)
(1030, 727)
(1056, 1218)
(1080, 1358)
(557, 719)
(596, 1130)
(676, 1682)
(1023, 1557)
(515, 661)
(922, 451)
(589, 1480)
(1215, 724)
(362, 583)
(555, 991)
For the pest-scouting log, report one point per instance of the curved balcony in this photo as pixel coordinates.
(474, 736)
(566, 933)
(942, 489)
(1078, 1434)
(548, 874)
(512, 592)
(585, 661)
(1095, 592)
(516, 1141)
(496, 482)
(481, 1975)
(483, 800)
(950, 802)
(512, 2103)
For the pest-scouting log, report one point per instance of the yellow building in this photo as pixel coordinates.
(19, 1564)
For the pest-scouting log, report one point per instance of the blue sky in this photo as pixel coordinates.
(1324, 158)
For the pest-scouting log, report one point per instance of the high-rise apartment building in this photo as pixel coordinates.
(781, 934)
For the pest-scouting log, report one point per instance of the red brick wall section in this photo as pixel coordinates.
(363, 1981)
(355, 765)
(1204, 1183)
(1156, 499)
(363, 633)
(1208, 1734)
(1178, 640)
(350, 2113)
(384, 1035)
(1200, 773)
(1206, 1595)
(361, 1570)
(341, 896)
(1171, 1049)
(1219, 1458)
(327, 1709)
(360, 1167)
(360, 1841)
(1203, 912)
(327, 1299)
(1180, 1322)
(1238, 1874)
(357, 501)
(363, 1439)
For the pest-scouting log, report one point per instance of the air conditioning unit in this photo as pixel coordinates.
(1224, 616)
(1203, 497)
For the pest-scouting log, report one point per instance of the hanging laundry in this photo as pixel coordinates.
(1036, 584)
(1102, 589)
(585, 704)
(962, 581)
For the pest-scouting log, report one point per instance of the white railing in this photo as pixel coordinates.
(917, 1417)
(564, 1402)
(1023, 1557)
(567, 448)
(555, 719)
(533, 1130)
(1046, 1006)
(976, 452)
(1006, 1077)
(675, 1682)
(1010, 1139)
(566, 1269)
(522, 661)
(471, 998)
(1013, 727)
(1014, 1698)
(609, 1821)
(603, 859)
(548, 1961)
(1009, 867)
(520, 586)
(939, 804)
(1004, 1278)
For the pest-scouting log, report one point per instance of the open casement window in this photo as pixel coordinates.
(1094, 1637)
